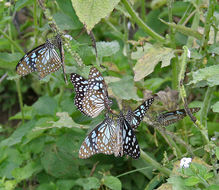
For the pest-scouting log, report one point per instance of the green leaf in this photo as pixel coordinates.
(215, 107)
(27, 113)
(177, 183)
(191, 181)
(45, 106)
(90, 12)
(9, 60)
(105, 49)
(217, 152)
(184, 30)
(125, 89)
(213, 187)
(9, 160)
(65, 22)
(208, 76)
(89, 183)
(64, 121)
(26, 171)
(214, 49)
(65, 184)
(18, 134)
(148, 58)
(21, 3)
(112, 182)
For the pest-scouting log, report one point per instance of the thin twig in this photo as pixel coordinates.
(3, 77)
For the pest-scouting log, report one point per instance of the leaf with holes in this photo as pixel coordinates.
(147, 59)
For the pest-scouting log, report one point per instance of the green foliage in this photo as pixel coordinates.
(41, 130)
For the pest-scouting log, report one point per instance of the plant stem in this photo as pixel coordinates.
(143, 12)
(12, 41)
(35, 21)
(154, 163)
(140, 22)
(20, 98)
(206, 105)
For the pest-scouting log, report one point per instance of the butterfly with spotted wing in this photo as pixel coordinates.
(43, 59)
(91, 95)
(135, 117)
(171, 117)
(110, 137)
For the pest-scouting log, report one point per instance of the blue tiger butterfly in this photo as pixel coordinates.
(170, 117)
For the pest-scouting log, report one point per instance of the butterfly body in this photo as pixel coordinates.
(174, 116)
(43, 59)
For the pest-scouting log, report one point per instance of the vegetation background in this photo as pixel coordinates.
(145, 46)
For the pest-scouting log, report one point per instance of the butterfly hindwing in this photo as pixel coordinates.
(171, 117)
(99, 140)
(80, 86)
(96, 96)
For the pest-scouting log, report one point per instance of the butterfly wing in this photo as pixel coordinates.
(43, 59)
(48, 61)
(96, 96)
(80, 86)
(28, 62)
(138, 114)
(171, 117)
(99, 140)
(130, 142)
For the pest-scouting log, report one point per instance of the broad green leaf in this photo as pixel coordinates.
(191, 181)
(125, 89)
(105, 49)
(214, 49)
(112, 182)
(65, 22)
(208, 76)
(90, 12)
(89, 183)
(64, 121)
(27, 113)
(18, 134)
(47, 186)
(10, 159)
(148, 58)
(65, 184)
(9, 60)
(45, 106)
(26, 171)
(177, 182)
(215, 107)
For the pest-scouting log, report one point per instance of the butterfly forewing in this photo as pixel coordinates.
(135, 117)
(173, 116)
(99, 140)
(27, 64)
(43, 59)
(130, 142)
(80, 86)
(96, 96)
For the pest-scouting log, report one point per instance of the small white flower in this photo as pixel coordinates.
(7, 4)
(213, 138)
(212, 54)
(188, 54)
(68, 36)
(185, 162)
(129, 25)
